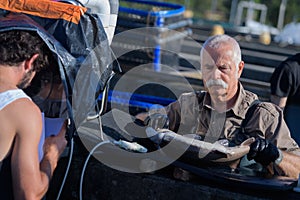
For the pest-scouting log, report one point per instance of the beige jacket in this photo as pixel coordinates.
(192, 113)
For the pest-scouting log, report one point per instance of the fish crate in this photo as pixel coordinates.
(151, 32)
(144, 13)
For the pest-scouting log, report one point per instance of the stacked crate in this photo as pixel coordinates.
(151, 32)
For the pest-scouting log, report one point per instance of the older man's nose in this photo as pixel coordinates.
(216, 74)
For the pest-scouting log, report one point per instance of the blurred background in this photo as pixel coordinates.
(265, 30)
(278, 17)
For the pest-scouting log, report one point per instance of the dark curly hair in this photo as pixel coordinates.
(17, 46)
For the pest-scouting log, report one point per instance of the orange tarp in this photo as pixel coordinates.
(45, 8)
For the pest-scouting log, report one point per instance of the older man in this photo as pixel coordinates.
(218, 112)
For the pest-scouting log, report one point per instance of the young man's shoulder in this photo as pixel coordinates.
(23, 110)
(23, 104)
(291, 63)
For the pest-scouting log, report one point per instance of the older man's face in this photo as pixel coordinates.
(220, 73)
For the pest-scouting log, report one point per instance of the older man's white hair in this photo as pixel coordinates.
(214, 42)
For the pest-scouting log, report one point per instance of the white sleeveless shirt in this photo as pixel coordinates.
(9, 96)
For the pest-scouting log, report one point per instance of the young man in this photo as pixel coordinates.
(22, 176)
(285, 92)
(218, 112)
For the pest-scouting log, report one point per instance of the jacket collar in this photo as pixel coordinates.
(241, 105)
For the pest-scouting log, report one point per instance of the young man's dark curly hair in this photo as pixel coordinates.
(17, 46)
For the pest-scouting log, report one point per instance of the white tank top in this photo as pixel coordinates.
(9, 96)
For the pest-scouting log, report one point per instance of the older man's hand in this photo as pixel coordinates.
(263, 152)
(157, 121)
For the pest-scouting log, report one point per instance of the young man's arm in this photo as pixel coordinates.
(280, 101)
(30, 177)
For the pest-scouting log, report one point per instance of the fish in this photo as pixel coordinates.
(197, 149)
(131, 146)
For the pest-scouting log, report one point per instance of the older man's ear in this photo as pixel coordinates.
(240, 68)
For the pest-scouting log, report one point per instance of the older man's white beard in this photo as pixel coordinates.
(218, 82)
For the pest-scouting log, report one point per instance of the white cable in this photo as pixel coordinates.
(85, 164)
(67, 170)
(92, 117)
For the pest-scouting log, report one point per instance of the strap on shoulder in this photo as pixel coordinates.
(249, 113)
(241, 136)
